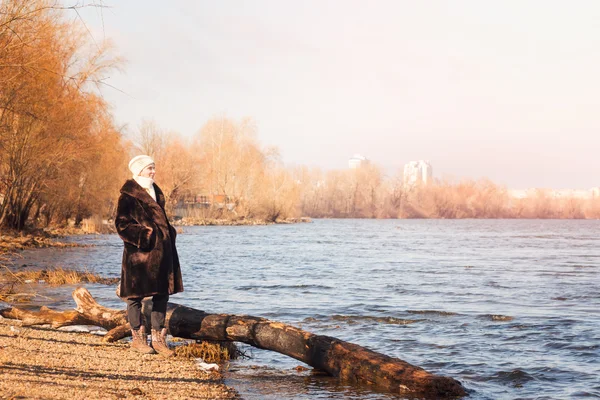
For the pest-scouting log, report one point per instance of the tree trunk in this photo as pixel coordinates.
(349, 362)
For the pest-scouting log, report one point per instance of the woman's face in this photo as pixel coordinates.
(149, 171)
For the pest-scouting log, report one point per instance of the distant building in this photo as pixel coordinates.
(418, 173)
(357, 161)
(206, 201)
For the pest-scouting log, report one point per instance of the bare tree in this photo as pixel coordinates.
(46, 110)
(150, 139)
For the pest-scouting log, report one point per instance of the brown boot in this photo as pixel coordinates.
(139, 341)
(159, 343)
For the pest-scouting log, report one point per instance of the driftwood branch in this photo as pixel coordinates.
(88, 312)
(349, 362)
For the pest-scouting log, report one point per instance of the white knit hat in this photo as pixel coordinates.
(138, 163)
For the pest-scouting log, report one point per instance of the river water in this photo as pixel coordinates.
(511, 308)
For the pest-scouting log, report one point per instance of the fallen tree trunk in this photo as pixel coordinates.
(349, 362)
(87, 312)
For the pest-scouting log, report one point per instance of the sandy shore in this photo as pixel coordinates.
(37, 363)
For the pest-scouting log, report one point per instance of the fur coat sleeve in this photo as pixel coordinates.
(128, 228)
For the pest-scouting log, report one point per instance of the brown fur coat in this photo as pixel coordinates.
(150, 262)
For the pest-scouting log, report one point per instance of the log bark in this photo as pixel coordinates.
(347, 361)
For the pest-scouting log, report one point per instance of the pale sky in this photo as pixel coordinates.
(508, 90)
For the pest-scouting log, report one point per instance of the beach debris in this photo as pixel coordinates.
(207, 367)
(95, 330)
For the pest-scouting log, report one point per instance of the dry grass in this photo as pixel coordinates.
(13, 242)
(13, 284)
(210, 352)
(53, 276)
(10, 293)
(60, 276)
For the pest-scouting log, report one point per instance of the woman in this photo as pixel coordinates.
(150, 264)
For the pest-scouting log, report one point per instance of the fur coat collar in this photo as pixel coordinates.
(133, 189)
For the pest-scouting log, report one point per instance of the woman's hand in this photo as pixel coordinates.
(146, 238)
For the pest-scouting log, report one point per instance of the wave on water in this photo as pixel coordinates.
(581, 266)
(497, 317)
(515, 378)
(282, 287)
(432, 312)
(497, 285)
(547, 236)
(355, 319)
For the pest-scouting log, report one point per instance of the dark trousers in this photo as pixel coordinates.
(159, 311)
